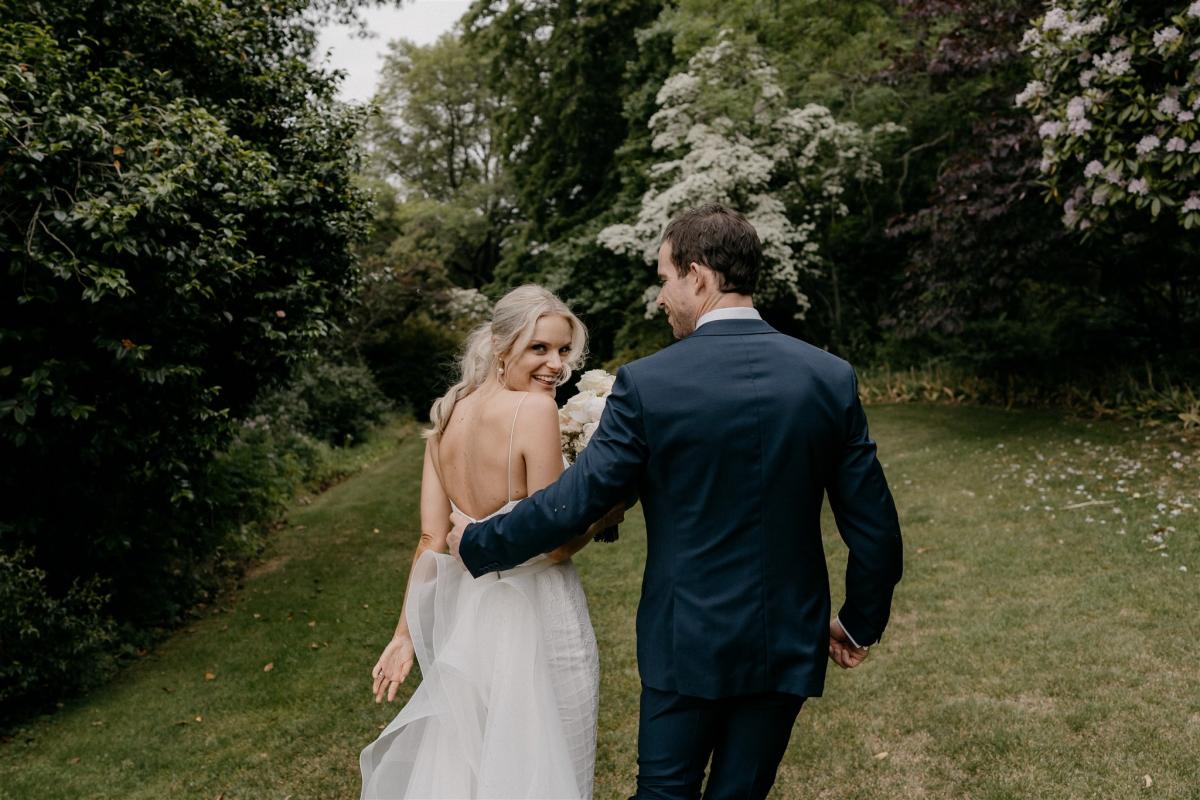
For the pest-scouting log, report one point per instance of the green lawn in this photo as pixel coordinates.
(1043, 642)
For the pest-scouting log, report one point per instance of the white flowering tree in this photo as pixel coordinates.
(1115, 96)
(726, 134)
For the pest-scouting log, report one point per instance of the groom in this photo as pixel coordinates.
(731, 437)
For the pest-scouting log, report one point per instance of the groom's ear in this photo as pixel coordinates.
(704, 276)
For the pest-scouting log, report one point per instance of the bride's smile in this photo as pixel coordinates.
(538, 365)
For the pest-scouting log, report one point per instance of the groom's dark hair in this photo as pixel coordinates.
(720, 239)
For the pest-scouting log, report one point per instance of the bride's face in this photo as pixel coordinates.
(538, 364)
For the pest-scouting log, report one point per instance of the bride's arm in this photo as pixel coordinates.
(572, 547)
(615, 516)
(397, 658)
(542, 452)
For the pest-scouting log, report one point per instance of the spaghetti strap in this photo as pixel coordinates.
(508, 460)
(435, 456)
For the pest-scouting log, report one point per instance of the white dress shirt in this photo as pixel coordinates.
(737, 312)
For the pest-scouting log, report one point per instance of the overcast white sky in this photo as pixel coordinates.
(419, 20)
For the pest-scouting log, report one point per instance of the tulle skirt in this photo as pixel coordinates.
(509, 688)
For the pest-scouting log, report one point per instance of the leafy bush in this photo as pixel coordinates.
(47, 636)
(336, 403)
(1115, 96)
(993, 282)
(1148, 397)
(414, 361)
(253, 479)
(176, 220)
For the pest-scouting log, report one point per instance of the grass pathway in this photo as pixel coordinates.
(1043, 642)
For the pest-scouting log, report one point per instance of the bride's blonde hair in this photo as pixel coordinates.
(510, 329)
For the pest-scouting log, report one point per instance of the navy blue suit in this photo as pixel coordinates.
(731, 438)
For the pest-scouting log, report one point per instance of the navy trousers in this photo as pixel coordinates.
(745, 737)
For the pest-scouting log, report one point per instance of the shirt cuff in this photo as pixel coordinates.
(848, 635)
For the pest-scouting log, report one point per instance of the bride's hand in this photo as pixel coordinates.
(392, 667)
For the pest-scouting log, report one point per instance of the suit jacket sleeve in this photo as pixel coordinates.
(866, 518)
(604, 474)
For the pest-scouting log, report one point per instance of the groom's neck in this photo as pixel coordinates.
(725, 300)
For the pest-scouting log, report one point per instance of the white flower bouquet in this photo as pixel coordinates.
(580, 416)
(578, 419)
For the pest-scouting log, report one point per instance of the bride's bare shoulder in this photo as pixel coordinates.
(540, 405)
(499, 410)
(524, 404)
(537, 423)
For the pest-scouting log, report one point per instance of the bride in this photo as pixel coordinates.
(509, 671)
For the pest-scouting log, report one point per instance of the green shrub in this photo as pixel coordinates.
(250, 483)
(48, 637)
(415, 361)
(336, 403)
(178, 214)
(1142, 396)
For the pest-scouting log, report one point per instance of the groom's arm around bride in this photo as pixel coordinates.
(732, 438)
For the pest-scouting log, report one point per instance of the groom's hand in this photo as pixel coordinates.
(458, 524)
(842, 651)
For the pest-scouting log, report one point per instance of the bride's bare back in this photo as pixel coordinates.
(482, 452)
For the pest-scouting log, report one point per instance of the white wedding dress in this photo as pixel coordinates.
(509, 687)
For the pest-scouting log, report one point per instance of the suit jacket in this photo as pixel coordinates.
(731, 438)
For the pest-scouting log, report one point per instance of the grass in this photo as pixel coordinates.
(1042, 645)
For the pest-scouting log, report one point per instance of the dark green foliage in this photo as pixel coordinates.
(993, 281)
(246, 486)
(953, 257)
(47, 636)
(414, 360)
(638, 337)
(176, 214)
(562, 92)
(335, 403)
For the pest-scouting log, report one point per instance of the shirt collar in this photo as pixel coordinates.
(740, 312)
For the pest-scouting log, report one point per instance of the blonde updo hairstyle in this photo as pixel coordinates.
(511, 328)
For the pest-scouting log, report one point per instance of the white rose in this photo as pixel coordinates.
(588, 430)
(594, 406)
(566, 423)
(577, 408)
(596, 381)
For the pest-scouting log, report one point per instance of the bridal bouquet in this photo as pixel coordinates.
(579, 418)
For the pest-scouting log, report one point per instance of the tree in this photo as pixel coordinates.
(436, 129)
(993, 280)
(176, 218)
(726, 133)
(435, 141)
(561, 90)
(982, 228)
(824, 53)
